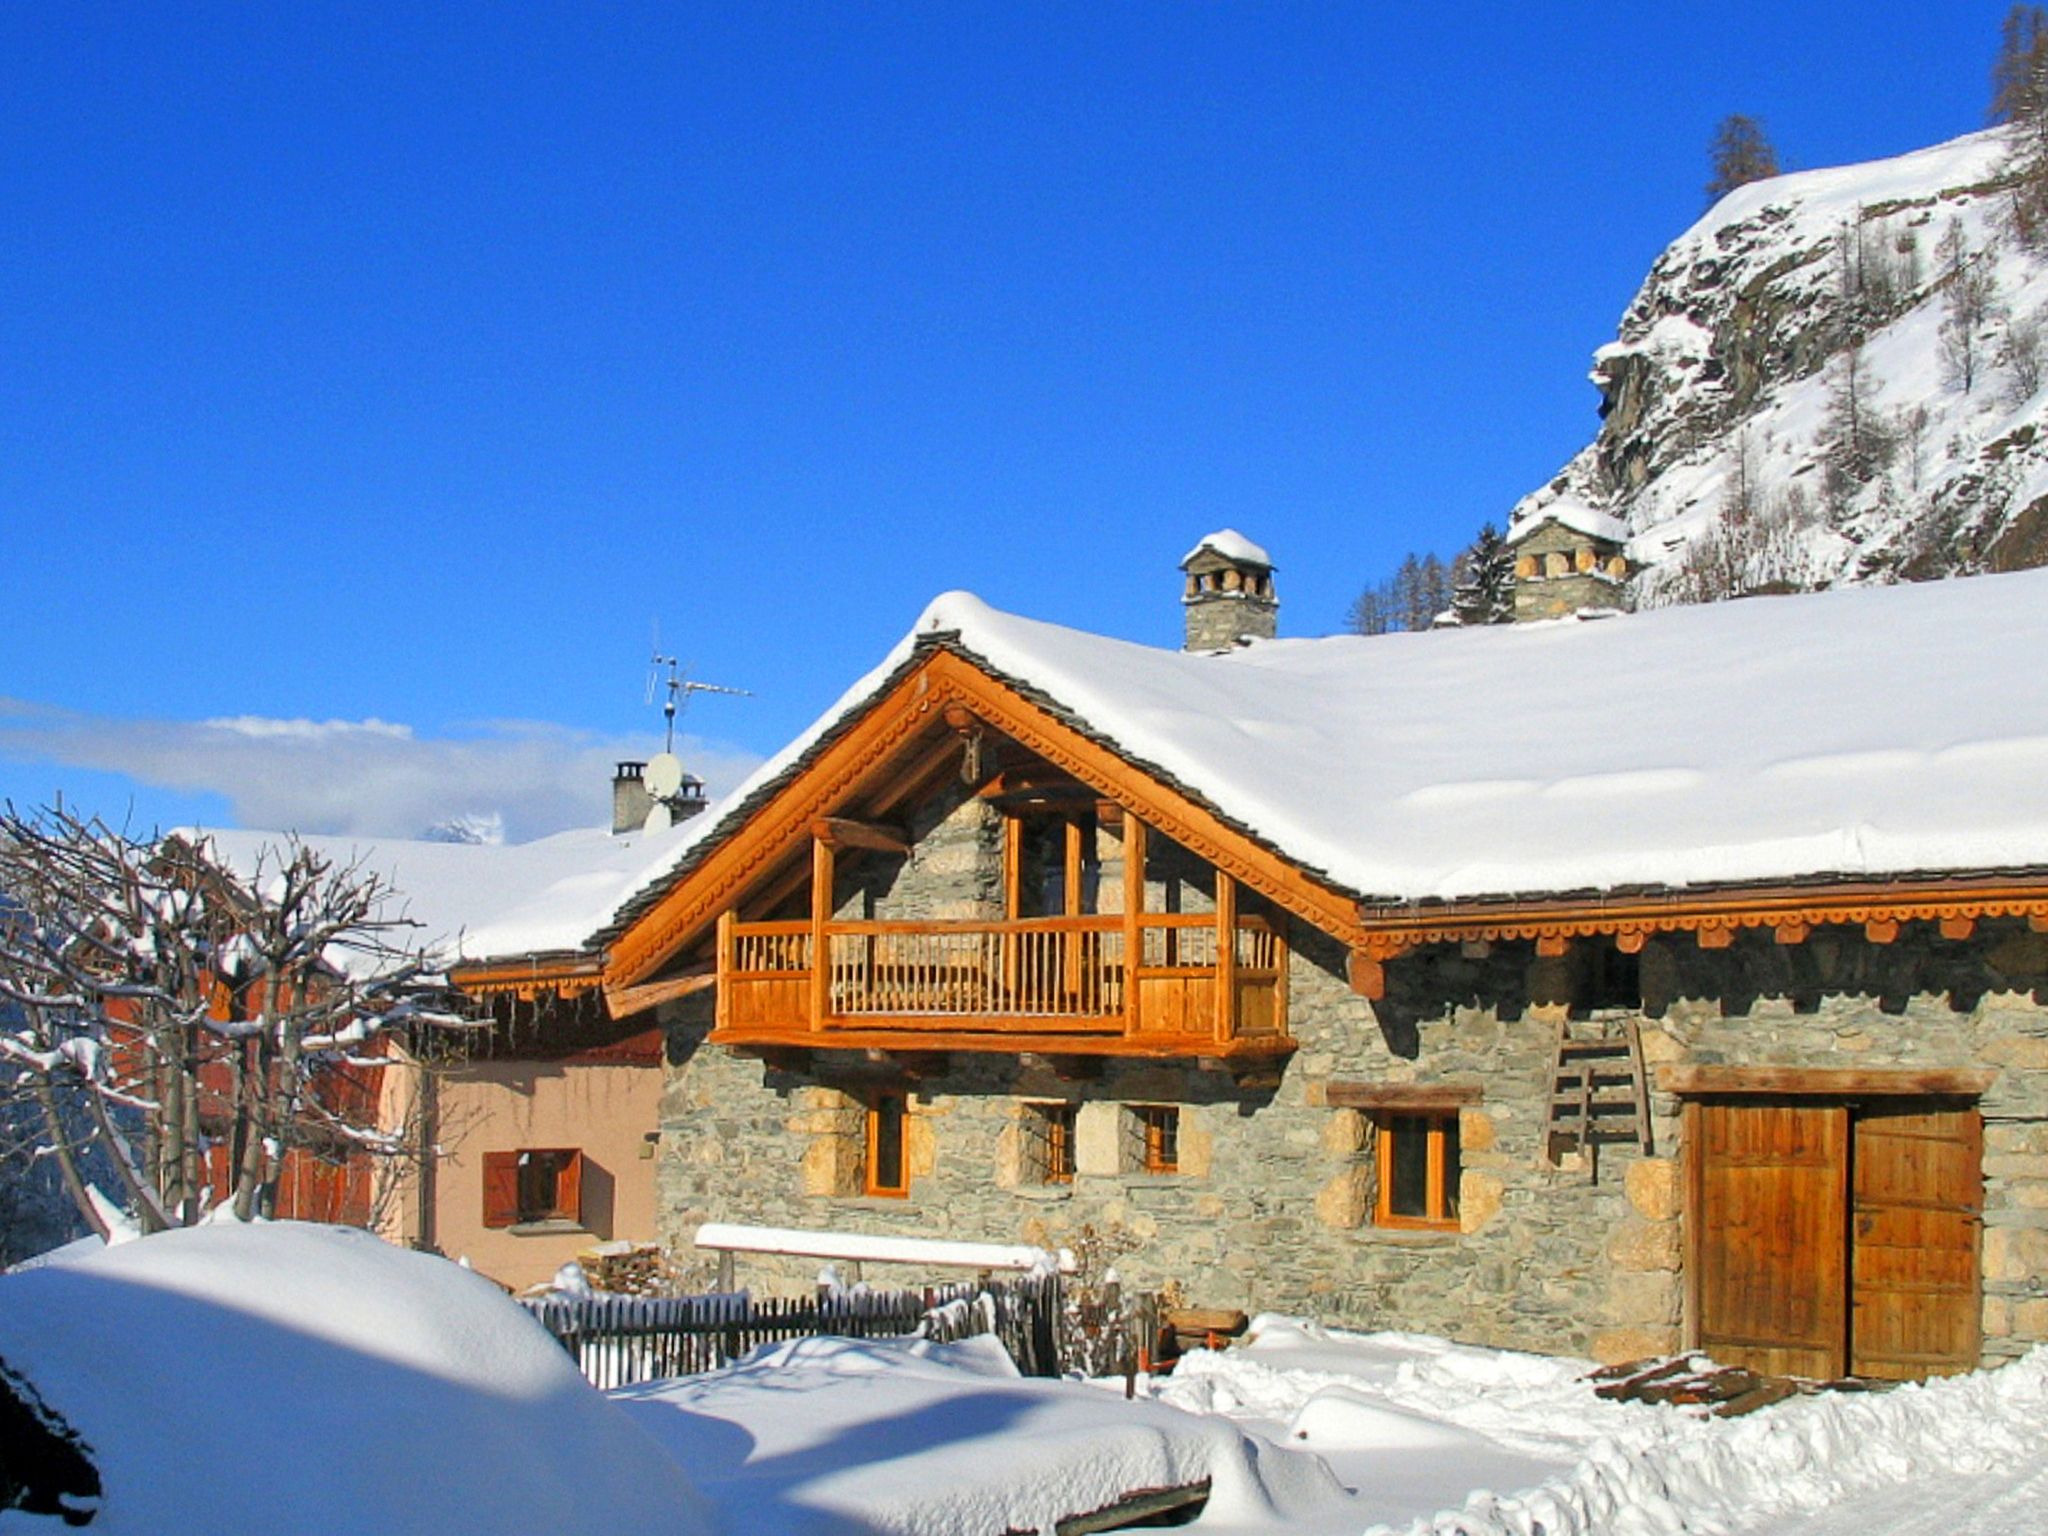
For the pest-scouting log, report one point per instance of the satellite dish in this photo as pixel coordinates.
(658, 819)
(663, 775)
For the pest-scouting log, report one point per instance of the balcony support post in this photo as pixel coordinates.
(722, 1004)
(1226, 957)
(1134, 918)
(821, 914)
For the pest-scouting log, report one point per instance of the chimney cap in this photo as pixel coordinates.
(1229, 544)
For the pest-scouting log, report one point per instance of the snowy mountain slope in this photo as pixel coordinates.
(1782, 407)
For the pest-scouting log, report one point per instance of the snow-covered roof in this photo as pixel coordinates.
(1867, 732)
(1575, 515)
(1231, 545)
(484, 901)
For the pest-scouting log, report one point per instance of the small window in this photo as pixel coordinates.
(1159, 1133)
(534, 1184)
(1419, 1168)
(888, 1171)
(1050, 1148)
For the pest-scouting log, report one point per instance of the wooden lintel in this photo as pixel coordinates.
(1418, 1096)
(1881, 930)
(622, 1002)
(1791, 933)
(1958, 927)
(1827, 1082)
(1368, 977)
(844, 832)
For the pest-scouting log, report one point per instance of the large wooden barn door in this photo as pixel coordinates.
(1913, 1260)
(1833, 1238)
(1770, 1203)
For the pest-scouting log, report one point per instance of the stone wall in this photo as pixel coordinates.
(1272, 1205)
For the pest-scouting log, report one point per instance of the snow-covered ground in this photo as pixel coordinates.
(295, 1378)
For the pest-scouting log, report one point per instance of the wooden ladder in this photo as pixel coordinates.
(1598, 1090)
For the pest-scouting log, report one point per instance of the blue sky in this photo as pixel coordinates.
(375, 376)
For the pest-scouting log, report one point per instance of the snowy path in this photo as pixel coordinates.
(1961, 1504)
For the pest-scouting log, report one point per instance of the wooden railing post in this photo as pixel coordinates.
(722, 1003)
(821, 915)
(1226, 957)
(1134, 915)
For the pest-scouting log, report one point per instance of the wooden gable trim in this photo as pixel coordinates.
(942, 682)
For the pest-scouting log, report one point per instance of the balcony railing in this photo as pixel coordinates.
(1059, 983)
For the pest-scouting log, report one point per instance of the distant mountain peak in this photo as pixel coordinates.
(483, 828)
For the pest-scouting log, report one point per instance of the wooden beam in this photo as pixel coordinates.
(1368, 977)
(1396, 1096)
(999, 1038)
(1631, 941)
(1881, 930)
(1226, 956)
(1552, 945)
(1827, 1082)
(1037, 782)
(623, 1002)
(1134, 908)
(1958, 927)
(844, 832)
(1791, 933)
(1716, 938)
(821, 944)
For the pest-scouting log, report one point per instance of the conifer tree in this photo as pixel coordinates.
(2019, 74)
(1485, 589)
(1740, 154)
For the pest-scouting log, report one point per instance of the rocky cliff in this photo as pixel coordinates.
(1834, 377)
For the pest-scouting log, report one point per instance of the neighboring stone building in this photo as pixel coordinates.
(1347, 977)
(1569, 559)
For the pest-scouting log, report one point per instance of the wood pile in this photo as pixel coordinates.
(1725, 1391)
(626, 1269)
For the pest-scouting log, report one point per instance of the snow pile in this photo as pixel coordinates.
(1417, 1424)
(1231, 545)
(290, 1378)
(862, 1436)
(1724, 388)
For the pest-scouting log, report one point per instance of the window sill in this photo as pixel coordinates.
(1417, 1236)
(866, 1202)
(1044, 1192)
(554, 1226)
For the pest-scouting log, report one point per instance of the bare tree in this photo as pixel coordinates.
(2020, 352)
(2019, 72)
(1969, 297)
(1739, 154)
(193, 1023)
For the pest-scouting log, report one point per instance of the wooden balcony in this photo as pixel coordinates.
(1153, 984)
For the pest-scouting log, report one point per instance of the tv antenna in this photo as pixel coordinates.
(678, 686)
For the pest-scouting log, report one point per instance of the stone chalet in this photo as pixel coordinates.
(1680, 978)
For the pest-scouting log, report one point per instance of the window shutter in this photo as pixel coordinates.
(501, 1189)
(569, 1188)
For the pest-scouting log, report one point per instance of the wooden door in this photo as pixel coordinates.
(1770, 1212)
(1913, 1258)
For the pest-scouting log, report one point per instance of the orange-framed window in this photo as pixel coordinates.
(1159, 1133)
(1418, 1169)
(888, 1169)
(1052, 1152)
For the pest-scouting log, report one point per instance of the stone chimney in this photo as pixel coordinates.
(632, 803)
(1229, 597)
(1569, 558)
(630, 800)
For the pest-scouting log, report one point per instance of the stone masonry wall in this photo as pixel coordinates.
(1271, 1208)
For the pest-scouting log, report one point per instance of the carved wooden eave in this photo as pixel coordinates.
(530, 977)
(1712, 918)
(946, 691)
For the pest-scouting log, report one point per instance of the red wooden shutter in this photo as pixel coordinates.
(569, 1188)
(501, 1189)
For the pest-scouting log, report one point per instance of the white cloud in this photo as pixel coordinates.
(366, 778)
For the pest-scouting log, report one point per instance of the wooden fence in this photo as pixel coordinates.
(618, 1340)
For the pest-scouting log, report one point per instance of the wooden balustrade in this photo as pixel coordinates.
(1061, 977)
